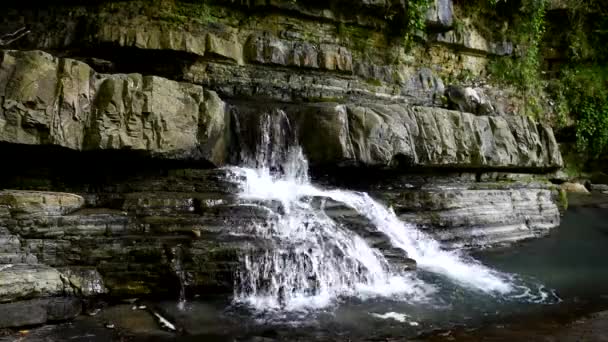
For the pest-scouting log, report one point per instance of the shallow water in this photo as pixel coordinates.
(572, 259)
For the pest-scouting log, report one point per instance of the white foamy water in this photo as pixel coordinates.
(314, 260)
(424, 249)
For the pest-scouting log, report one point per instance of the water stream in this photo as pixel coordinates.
(315, 261)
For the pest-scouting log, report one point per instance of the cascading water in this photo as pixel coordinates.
(314, 260)
(176, 254)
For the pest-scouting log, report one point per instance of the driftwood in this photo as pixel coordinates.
(11, 37)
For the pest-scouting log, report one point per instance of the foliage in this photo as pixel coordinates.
(588, 21)
(416, 18)
(592, 127)
(524, 70)
(582, 89)
(582, 93)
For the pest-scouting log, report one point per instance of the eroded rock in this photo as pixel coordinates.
(31, 203)
(98, 111)
(19, 282)
(389, 135)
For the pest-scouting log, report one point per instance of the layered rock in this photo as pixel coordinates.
(333, 50)
(71, 106)
(479, 214)
(63, 102)
(120, 191)
(416, 137)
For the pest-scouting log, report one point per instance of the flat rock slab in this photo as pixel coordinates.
(23, 281)
(19, 202)
(38, 311)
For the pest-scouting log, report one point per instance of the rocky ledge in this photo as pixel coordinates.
(63, 102)
(117, 118)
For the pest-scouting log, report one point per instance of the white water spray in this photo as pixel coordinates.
(315, 260)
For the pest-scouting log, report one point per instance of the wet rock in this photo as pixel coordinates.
(603, 188)
(574, 187)
(85, 281)
(39, 311)
(27, 281)
(467, 216)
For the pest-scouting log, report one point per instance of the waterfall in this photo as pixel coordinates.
(312, 260)
(176, 263)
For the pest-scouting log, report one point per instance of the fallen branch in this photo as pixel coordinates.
(11, 37)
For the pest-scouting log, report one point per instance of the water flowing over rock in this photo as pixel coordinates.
(288, 153)
(314, 260)
(389, 135)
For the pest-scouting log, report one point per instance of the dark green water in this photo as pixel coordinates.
(573, 259)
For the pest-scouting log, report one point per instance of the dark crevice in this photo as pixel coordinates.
(46, 167)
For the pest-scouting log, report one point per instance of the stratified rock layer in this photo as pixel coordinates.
(389, 135)
(111, 151)
(63, 102)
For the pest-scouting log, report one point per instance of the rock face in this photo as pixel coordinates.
(117, 117)
(63, 102)
(179, 120)
(415, 137)
(474, 216)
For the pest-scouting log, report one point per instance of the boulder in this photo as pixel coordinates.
(467, 99)
(83, 281)
(19, 281)
(574, 187)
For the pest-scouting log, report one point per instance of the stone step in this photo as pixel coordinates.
(17, 258)
(23, 281)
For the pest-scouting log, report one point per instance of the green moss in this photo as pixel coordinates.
(183, 12)
(128, 288)
(434, 218)
(361, 40)
(563, 199)
(374, 82)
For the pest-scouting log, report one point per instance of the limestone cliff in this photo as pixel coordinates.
(117, 116)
